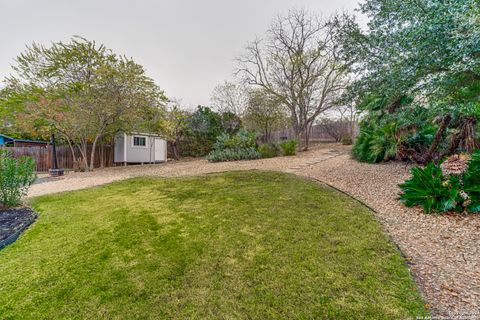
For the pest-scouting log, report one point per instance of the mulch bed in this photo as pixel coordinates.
(13, 222)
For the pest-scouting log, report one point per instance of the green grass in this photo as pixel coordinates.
(242, 245)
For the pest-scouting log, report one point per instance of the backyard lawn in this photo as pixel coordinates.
(251, 245)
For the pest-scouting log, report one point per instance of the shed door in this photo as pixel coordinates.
(160, 150)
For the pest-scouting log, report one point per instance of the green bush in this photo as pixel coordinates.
(204, 126)
(241, 146)
(437, 191)
(16, 175)
(429, 189)
(376, 144)
(233, 155)
(242, 140)
(269, 150)
(471, 182)
(347, 141)
(289, 147)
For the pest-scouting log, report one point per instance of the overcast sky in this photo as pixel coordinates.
(187, 46)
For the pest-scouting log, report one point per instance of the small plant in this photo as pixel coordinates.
(241, 146)
(289, 147)
(16, 175)
(429, 189)
(269, 150)
(347, 141)
(452, 186)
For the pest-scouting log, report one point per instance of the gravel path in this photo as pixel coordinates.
(443, 251)
(74, 181)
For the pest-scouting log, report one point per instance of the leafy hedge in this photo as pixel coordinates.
(203, 128)
(289, 147)
(241, 146)
(439, 189)
(16, 175)
(376, 143)
(269, 150)
(233, 155)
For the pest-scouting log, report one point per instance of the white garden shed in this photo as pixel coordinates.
(139, 148)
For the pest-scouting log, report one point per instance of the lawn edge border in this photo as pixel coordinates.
(405, 258)
(290, 173)
(349, 195)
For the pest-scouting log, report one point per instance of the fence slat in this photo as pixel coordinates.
(43, 156)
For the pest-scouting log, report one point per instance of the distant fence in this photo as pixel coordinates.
(315, 134)
(319, 132)
(43, 156)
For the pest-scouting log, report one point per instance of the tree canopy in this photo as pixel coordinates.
(426, 48)
(298, 63)
(417, 71)
(81, 90)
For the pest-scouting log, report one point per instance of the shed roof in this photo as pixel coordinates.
(134, 133)
(7, 138)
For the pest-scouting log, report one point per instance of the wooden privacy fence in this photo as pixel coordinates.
(317, 132)
(43, 156)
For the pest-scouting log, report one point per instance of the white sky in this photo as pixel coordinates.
(187, 46)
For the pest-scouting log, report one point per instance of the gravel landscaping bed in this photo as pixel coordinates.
(443, 251)
(187, 167)
(13, 222)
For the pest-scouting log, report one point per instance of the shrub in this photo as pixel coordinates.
(429, 189)
(376, 144)
(241, 146)
(289, 147)
(347, 141)
(203, 127)
(233, 155)
(269, 150)
(16, 175)
(194, 146)
(452, 186)
(242, 140)
(471, 182)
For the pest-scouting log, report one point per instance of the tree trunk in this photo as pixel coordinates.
(102, 155)
(84, 156)
(72, 149)
(306, 137)
(175, 150)
(92, 154)
(298, 136)
(438, 137)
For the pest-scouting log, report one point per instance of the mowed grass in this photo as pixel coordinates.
(242, 245)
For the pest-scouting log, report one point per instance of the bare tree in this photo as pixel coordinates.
(265, 113)
(298, 63)
(347, 115)
(230, 97)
